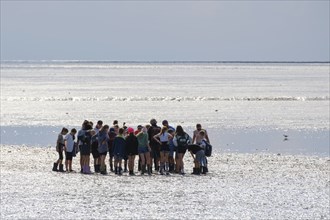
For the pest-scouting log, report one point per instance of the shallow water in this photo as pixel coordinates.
(304, 142)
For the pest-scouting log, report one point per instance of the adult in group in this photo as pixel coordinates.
(154, 144)
(103, 140)
(59, 149)
(181, 141)
(197, 139)
(131, 149)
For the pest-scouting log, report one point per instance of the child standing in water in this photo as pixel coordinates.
(163, 138)
(119, 145)
(59, 149)
(69, 148)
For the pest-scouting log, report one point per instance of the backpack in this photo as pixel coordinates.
(208, 149)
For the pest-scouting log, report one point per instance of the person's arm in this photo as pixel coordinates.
(189, 141)
(175, 141)
(207, 137)
(156, 138)
(170, 137)
(65, 144)
(194, 138)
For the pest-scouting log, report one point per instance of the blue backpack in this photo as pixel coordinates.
(208, 149)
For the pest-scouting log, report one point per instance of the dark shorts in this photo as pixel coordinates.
(95, 152)
(103, 154)
(110, 152)
(68, 155)
(117, 157)
(143, 150)
(165, 147)
(85, 150)
(60, 155)
(155, 151)
(181, 150)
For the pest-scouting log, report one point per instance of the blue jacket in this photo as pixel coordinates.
(119, 145)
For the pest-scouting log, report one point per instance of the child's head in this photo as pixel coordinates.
(105, 128)
(170, 131)
(121, 131)
(202, 133)
(130, 130)
(164, 129)
(99, 124)
(73, 131)
(64, 131)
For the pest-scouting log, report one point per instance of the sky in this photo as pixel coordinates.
(165, 30)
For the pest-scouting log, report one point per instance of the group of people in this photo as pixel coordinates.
(162, 147)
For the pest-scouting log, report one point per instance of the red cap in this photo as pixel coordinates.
(130, 130)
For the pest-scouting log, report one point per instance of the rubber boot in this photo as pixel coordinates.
(139, 166)
(143, 169)
(161, 170)
(86, 169)
(120, 171)
(55, 167)
(116, 170)
(171, 168)
(206, 170)
(103, 170)
(149, 170)
(125, 166)
(167, 168)
(194, 171)
(61, 168)
(95, 168)
(203, 170)
(111, 167)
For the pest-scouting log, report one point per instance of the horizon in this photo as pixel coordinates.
(161, 61)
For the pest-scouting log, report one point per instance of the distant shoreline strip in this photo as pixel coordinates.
(155, 62)
(156, 98)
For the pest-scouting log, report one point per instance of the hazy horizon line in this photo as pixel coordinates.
(158, 61)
